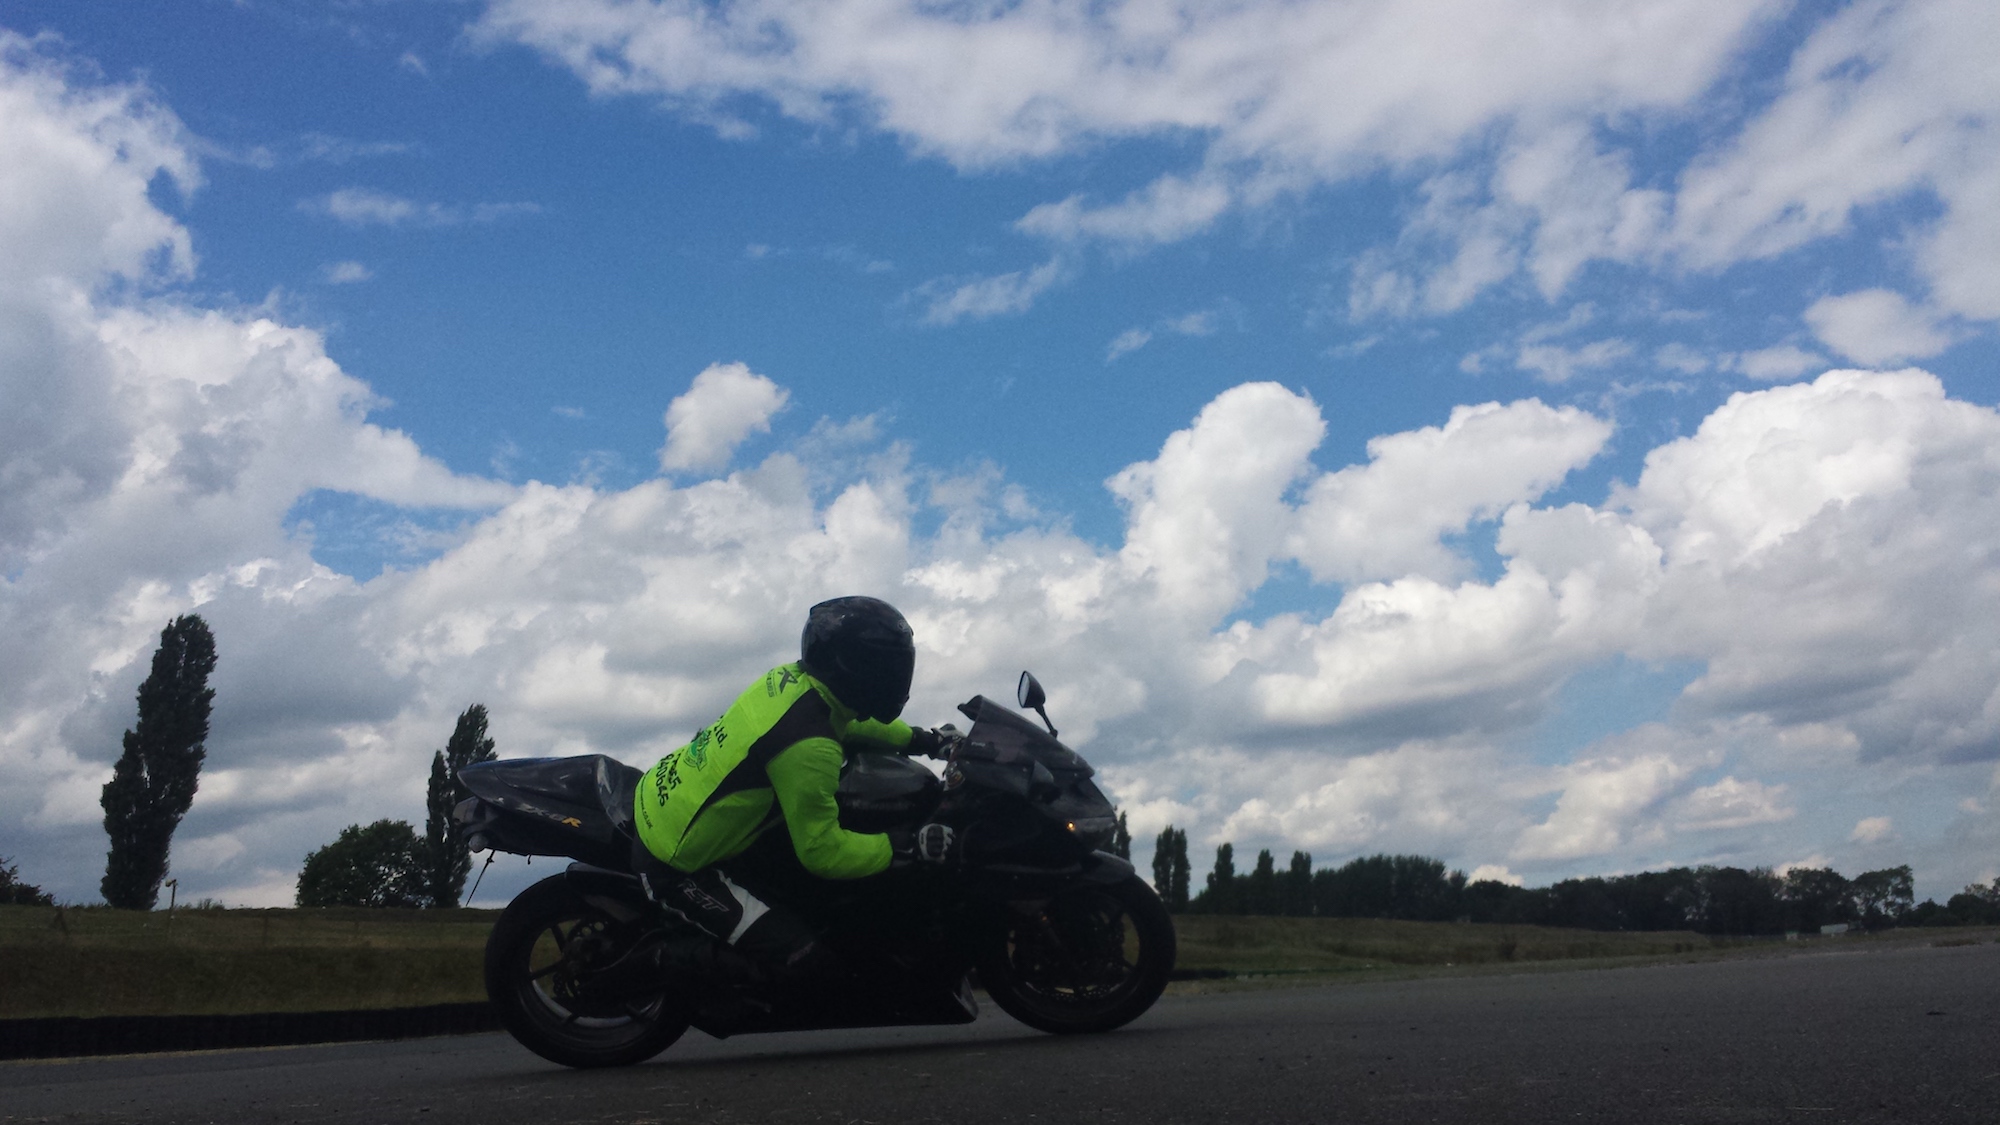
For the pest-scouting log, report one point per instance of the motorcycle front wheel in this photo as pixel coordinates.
(539, 957)
(1089, 958)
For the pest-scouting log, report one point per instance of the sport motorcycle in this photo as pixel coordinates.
(1060, 933)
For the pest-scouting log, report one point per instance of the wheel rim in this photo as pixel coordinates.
(549, 986)
(1079, 954)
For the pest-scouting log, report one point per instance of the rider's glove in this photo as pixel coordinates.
(932, 844)
(938, 743)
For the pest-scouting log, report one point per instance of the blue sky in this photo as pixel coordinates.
(645, 246)
(975, 263)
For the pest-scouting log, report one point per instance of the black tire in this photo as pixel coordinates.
(1094, 957)
(545, 939)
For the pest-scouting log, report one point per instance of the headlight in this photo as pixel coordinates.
(1095, 831)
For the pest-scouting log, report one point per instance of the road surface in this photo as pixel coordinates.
(1862, 1035)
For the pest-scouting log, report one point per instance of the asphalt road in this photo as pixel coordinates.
(1909, 1034)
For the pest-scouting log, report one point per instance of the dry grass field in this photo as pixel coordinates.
(99, 962)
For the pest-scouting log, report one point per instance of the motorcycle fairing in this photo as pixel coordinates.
(579, 807)
(880, 791)
(923, 1006)
(1005, 751)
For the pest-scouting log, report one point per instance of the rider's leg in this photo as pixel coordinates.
(701, 961)
(759, 941)
(788, 950)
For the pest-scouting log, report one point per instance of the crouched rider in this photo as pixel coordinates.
(772, 761)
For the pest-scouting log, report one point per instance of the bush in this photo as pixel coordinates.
(1410, 887)
(1975, 906)
(379, 865)
(14, 892)
(1928, 913)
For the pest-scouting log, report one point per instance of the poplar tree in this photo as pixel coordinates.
(1258, 893)
(155, 779)
(1221, 896)
(1182, 874)
(1298, 885)
(1163, 864)
(1121, 838)
(1170, 867)
(445, 860)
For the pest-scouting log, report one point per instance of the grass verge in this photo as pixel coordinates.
(102, 962)
(1294, 952)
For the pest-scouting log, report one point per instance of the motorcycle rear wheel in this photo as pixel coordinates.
(1092, 958)
(544, 945)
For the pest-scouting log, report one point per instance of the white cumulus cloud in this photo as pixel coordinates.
(726, 403)
(1876, 326)
(1601, 804)
(1521, 124)
(1386, 519)
(1872, 830)
(1783, 361)
(1885, 99)
(1207, 516)
(1731, 803)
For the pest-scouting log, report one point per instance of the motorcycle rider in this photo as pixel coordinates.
(772, 761)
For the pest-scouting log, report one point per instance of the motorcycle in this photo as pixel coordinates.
(1061, 934)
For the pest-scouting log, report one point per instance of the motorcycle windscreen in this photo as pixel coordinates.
(1013, 737)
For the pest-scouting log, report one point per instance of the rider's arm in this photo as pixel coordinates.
(804, 776)
(894, 734)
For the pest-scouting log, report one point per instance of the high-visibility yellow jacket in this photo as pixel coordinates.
(774, 756)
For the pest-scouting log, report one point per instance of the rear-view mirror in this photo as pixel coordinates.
(1030, 694)
(1031, 697)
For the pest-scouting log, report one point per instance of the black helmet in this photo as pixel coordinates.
(863, 650)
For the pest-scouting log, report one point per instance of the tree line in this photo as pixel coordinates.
(158, 773)
(1706, 899)
(387, 863)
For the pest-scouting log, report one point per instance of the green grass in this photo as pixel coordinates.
(101, 962)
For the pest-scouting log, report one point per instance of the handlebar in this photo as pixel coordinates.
(943, 742)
